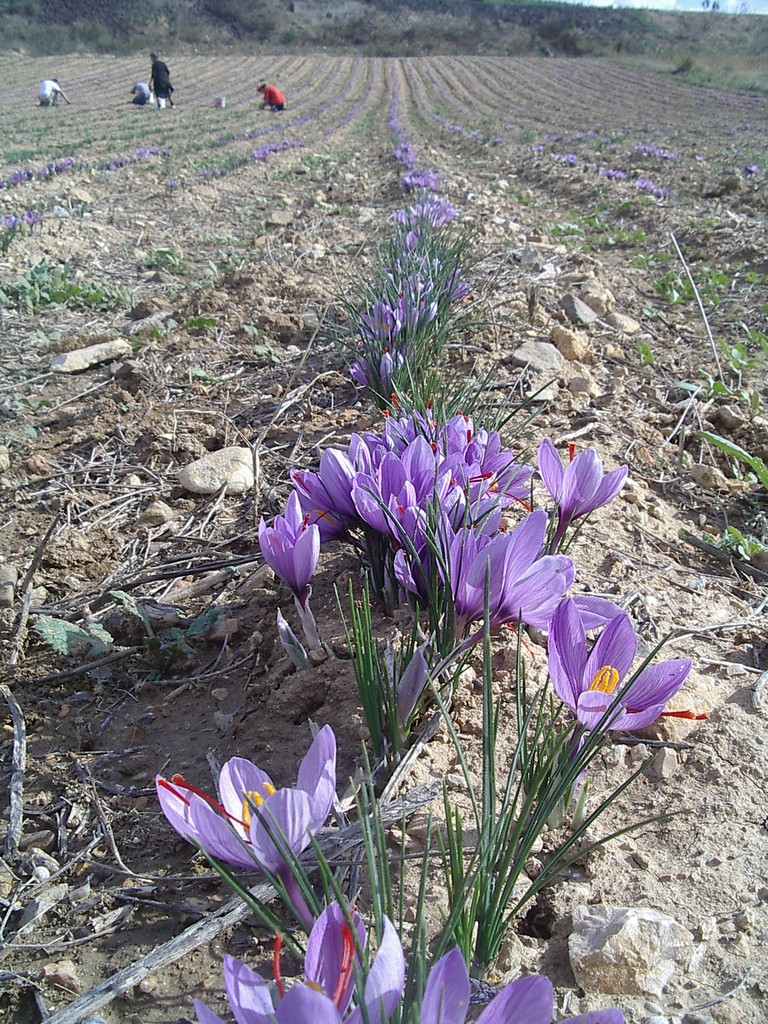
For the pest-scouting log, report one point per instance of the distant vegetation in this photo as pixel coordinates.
(688, 43)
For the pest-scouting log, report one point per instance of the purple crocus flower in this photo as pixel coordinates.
(525, 1001)
(590, 681)
(523, 585)
(252, 819)
(330, 972)
(292, 547)
(578, 489)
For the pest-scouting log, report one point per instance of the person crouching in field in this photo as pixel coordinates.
(160, 81)
(141, 94)
(273, 98)
(49, 92)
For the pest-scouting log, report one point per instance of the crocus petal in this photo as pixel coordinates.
(597, 1017)
(526, 1001)
(317, 775)
(217, 837)
(288, 816)
(204, 1015)
(302, 1003)
(592, 707)
(580, 482)
(610, 486)
(657, 683)
(174, 806)
(567, 652)
(385, 981)
(411, 684)
(248, 994)
(306, 552)
(550, 467)
(446, 996)
(616, 646)
(596, 612)
(239, 776)
(325, 952)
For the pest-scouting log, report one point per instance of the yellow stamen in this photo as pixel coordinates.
(315, 986)
(606, 680)
(254, 799)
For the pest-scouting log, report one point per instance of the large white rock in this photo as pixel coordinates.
(626, 950)
(232, 467)
(84, 358)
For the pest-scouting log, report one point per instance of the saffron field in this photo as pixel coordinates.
(487, 338)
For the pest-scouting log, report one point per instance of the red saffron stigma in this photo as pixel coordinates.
(276, 972)
(684, 714)
(347, 964)
(165, 784)
(385, 413)
(179, 780)
(571, 451)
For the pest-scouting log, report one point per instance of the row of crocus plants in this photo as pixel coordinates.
(441, 513)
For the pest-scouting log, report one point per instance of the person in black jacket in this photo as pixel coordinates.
(160, 81)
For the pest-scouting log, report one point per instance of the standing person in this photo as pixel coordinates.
(160, 81)
(273, 98)
(49, 92)
(141, 93)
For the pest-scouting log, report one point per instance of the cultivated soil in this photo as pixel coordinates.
(234, 271)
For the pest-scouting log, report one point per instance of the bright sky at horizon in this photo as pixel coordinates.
(726, 6)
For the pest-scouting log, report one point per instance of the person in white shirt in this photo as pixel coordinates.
(49, 92)
(141, 94)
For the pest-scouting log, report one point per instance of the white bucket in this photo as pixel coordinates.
(220, 101)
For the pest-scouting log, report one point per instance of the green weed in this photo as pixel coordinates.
(45, 286)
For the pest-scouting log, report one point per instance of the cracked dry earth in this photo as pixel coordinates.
(233, 284)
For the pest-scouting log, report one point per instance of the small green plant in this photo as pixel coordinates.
(199, 323)
(166, 258)
(755, 464)
(677, 287)
(45, 286)
(644, 353)
(743, 546)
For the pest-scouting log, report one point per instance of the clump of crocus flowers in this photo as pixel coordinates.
(333, 975)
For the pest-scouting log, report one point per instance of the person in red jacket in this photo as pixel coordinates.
(273, 98)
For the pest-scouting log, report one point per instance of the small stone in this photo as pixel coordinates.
(279, 218)
(64, 975)
(583, 385)
(598, 298)
(729, 417)
(229, 467)
(9, 577)
(5, 459)
(79, 195)
(572, 344)
(317, 656)
(84, 358)
(539, 356)
(577, 311)
(664, 765)
(220, 693)
(708, 476)
(623, 323)
(156, 514)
